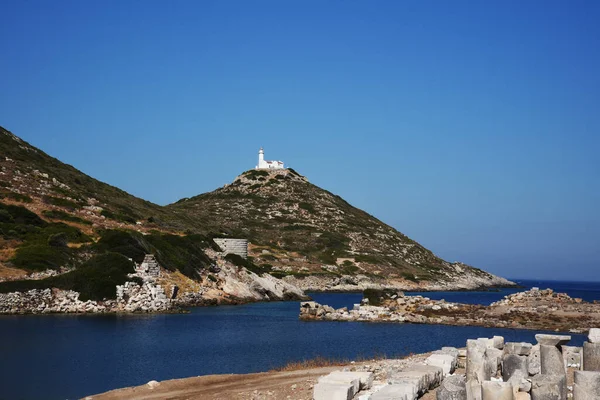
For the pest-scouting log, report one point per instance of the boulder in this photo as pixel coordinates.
(552, 340)
(586, 385)
(452, 388)
(492, 390)
(522, 396)
(591, 356)
(551, 360)
(549, 387)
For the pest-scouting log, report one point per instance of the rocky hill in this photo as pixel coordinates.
(59, 228)
(317, 240)
(63, 230)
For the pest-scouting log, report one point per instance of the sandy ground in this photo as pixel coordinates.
(284, 385)
(294, 385)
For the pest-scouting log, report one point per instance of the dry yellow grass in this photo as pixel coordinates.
(168, 279)
(319, 362)
(11, 273)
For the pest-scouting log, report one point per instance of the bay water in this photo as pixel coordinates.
(70, 356)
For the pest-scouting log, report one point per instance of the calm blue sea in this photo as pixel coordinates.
(67, 357)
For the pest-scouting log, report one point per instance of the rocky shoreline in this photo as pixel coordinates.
(157, 292)
(465, 281)
(532, 309)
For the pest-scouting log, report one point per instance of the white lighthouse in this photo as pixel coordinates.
(262, 164)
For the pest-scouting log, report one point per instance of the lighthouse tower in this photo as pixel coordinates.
(261, 159)
(262, 164)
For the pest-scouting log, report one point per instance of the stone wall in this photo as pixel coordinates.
(149, 266)
(233, 246)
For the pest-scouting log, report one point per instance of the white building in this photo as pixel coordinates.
(262, 164)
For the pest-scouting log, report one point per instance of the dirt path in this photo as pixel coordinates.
(293, 385)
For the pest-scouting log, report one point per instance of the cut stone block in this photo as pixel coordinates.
(552, 340)
(549, 387)
(422, 377)
(551, 360)
(594, 335)
(473, 390)
(452, 388)
(591, 356)
(514, 368)
(498, 342)
(333, 391)
(446, 362)
(586, 385)
(522, 396)
(533, 361)
(476, 361)
(572, 356)
(493, 360)
(492, 390)
(451, 350)
(359, 380)
(520, 349)
(400, 391)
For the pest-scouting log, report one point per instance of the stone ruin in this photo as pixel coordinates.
(494, 370)
(149, 267)
(233, 246)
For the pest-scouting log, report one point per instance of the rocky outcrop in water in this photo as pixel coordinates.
(533, 309)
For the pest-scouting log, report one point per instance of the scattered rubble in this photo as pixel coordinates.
(494, 370)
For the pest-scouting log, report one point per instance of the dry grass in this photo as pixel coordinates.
(8, 273)
(320, 362)
(168, 279)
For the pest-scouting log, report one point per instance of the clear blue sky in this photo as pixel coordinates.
(471, 126)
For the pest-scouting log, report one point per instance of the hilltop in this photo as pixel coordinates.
(313, 237)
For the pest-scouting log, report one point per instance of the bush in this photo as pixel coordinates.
(212, 278)
(94, 280)
(182, 253)
(5, 216)
(375, 296)
(118, 217)
(63, 216)
(16, 197)
(60, 202)
(22, 216)
(58, 240)
(255, 174)
(307, 206)
(248, 264)
(129, 244)
(40, 257)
